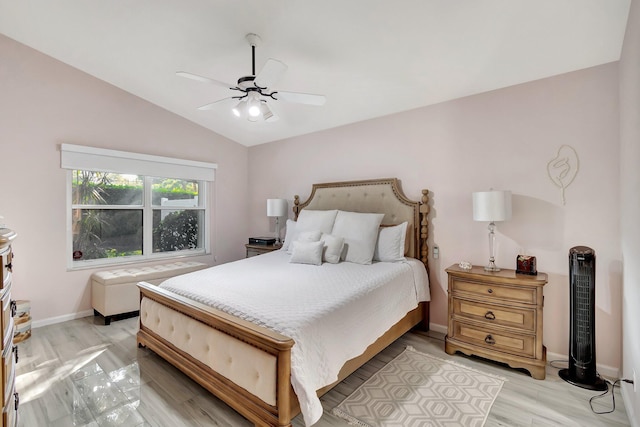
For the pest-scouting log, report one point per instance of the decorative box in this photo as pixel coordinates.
(526, 264)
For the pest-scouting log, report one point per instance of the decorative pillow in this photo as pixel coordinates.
(360, 233)
(332, 248)
(306, 252)
(310, 220)
(390, 245)
(306, 236)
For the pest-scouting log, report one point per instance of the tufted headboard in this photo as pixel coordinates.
(375, 195)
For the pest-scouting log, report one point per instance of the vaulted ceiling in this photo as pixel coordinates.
(370, 58)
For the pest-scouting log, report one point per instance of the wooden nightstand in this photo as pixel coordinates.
(253, 250)
(498, 316)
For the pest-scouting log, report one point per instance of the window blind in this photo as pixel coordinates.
(103, 160)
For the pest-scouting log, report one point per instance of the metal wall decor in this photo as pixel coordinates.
(562, 169)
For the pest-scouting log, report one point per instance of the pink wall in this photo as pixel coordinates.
(503, 140)
(630, 208)
(44, 103)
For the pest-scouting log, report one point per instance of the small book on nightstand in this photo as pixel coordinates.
(262, 241)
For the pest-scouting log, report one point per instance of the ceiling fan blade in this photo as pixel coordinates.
(301, 98)
(213, 104)
(203, 79)
(270, 73)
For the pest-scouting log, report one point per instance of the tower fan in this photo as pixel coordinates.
(582, 328)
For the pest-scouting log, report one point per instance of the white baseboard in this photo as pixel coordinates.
(60, 319)
(438, 328)
(606, 371)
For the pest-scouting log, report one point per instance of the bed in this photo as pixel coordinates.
(253, 362)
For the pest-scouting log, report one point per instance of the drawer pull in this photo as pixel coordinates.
(490, 316)
(490, 290)
(17, 397)
(489, 340)
(8, 267)
(15, 350)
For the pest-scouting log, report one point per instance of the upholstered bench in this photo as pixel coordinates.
(115, 294)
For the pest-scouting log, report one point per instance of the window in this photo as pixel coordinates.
(119, 215)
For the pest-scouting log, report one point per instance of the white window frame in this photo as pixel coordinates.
(76, 157)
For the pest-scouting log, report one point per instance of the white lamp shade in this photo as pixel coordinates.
(277, 207)
(492, 205)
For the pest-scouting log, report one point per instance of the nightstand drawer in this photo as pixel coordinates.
(495, 290)
(253, 250)
(520, 318)
(495, 339)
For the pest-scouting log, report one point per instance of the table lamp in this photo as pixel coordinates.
(492, 206)
(277, 208)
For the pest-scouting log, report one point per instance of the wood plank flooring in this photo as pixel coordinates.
(82, 373)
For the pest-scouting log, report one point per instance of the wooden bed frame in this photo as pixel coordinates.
(380, 195)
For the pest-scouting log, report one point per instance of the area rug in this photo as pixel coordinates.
(417, 389)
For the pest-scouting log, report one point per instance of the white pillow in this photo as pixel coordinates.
(289, 233)
(306, 252)
(310, 220)
(316, 220)
(390, 245)
(306, 236)
(333, 246)
(360, 233)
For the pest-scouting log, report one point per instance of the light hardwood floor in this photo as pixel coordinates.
(82, 373)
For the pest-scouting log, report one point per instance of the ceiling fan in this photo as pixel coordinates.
(255, 90)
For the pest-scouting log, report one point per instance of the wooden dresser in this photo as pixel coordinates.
(498, 316)
(8, 395)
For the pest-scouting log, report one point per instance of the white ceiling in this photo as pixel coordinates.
(370, 58)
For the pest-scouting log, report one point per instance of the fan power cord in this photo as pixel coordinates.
(613, 397)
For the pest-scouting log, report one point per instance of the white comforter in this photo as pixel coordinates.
(333, 312)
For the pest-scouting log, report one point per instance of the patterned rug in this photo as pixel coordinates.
(417, 389)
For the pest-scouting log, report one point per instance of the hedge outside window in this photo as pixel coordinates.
(109, 210)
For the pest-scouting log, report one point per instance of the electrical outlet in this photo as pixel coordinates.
(436, 252)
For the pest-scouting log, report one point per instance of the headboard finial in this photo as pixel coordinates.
(424, 228)
(296, 206)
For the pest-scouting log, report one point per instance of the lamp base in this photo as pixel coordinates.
(491, 266)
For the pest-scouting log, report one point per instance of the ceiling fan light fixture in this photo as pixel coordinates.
(254, 111)
(239, 109)
(265, 111)
(253, 105)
